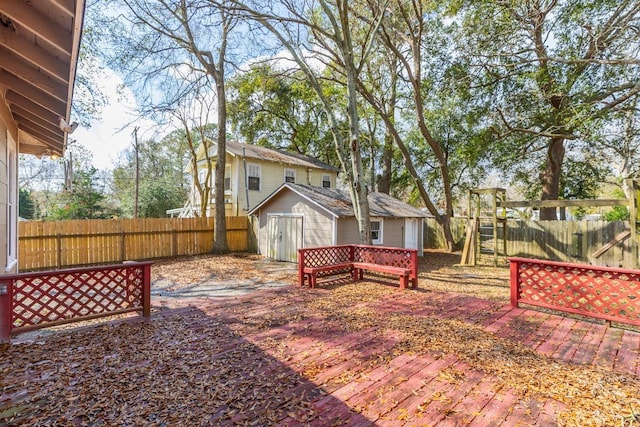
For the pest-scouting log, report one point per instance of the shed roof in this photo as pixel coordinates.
(338, 203)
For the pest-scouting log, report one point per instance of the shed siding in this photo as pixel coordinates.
(348, 231)
(392, 232)
(317, 226)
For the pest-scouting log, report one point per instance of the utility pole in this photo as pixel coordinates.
(135, 205)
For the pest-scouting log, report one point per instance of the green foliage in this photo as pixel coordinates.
(163, 183)
(551, 73)
(279, 110)
(618, 213)
(82, 200)
(157, 196)
(26, 205)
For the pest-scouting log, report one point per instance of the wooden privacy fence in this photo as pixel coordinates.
(57, 244)
(612, 294)
(591, 242)
(33, 300)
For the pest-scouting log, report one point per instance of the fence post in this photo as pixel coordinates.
(515, 286)
(6, 311)
(146, 290)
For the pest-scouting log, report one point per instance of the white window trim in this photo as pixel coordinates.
(12, 204)
(328, 178)
(293, 171)
(380, 232)
(259, 169)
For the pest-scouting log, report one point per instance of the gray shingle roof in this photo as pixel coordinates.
(339, 202)
(263, 153)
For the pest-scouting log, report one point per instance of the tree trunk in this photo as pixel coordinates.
(220, 245)
(550, 177)
(384, 180)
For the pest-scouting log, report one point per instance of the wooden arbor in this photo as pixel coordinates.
(477, 226)
(486, 234)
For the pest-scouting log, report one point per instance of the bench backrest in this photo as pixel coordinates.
(326, 255)
(382, 255)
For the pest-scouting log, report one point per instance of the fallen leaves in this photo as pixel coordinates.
(246, 362)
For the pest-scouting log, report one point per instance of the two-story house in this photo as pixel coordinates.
(253, 172)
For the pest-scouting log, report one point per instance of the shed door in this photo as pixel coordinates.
(284, 237)
(411, 233)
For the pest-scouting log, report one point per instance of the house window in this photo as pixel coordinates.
(227, 177)
(326, 181)
(253, 178)
(376, 231)
(12, 205)
(289, 175)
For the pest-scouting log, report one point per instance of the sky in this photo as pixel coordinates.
(113, 131)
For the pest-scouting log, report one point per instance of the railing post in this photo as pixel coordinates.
(414, 268)
(146, 290)
(514, 283)
(6, 311)
(301, 266)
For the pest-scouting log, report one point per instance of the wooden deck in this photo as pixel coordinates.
(358, 354)
(365, 377)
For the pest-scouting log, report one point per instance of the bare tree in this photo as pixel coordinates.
(320, 32)
(169, 37)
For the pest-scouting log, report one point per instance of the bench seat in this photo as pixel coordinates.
(311, 273)
(403, 273)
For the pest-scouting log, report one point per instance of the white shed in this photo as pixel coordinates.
(298, 216)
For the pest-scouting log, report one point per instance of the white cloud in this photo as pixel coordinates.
(112, 132)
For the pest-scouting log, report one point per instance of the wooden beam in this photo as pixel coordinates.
(28, 115)
(619, 238)
(35, 54)
(33, 93)
(44, 137)
(563, 203)
(25, 71)
(32, 19)
(38, 124)
(67, 6)
(19, 102)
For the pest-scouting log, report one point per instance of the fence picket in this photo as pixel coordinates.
(551, 240)
(57, 244)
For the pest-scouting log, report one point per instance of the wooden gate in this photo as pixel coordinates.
(284, 234)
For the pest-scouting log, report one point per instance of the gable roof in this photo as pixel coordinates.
(338, 203)
(267, 154)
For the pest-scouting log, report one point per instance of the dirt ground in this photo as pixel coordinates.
(438, 271)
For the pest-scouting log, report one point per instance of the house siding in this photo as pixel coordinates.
(271, 177)
(392, 232)
(317, 225)
(6, 126)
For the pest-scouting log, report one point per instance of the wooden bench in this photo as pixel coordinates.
(403, 273)
(324, 261)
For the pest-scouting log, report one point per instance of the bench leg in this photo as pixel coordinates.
(404, 280)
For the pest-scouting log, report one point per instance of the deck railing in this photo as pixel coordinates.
(37, 300)
(608, 293)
